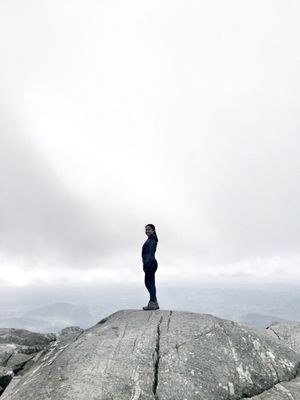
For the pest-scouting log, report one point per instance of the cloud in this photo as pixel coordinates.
(122, 119)
(41, 219)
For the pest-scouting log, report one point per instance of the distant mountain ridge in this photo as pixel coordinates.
(261, 321)
(55, 317)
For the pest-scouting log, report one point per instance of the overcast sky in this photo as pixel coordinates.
(115, 114)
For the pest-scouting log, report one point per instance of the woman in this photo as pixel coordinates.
(150, 265)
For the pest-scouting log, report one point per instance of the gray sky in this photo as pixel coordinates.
(114, 114)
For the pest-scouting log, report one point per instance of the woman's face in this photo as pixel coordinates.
(148, 230)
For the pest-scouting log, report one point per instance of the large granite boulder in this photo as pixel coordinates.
(161, 355)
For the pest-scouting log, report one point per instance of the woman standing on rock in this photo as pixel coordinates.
(150, 265)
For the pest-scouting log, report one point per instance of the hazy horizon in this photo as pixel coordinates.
(254, 305)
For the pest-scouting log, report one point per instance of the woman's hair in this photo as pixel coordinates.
(153, 227)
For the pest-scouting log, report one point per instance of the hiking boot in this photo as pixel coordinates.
(157, 305)
(152, 305)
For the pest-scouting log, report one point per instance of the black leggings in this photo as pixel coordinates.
(150, 282)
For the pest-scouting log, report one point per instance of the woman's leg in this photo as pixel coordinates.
(150, 283)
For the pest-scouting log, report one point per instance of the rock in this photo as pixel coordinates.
(18, 360)
(23, 337)
(17, 348)
(282, 391)
(70, 330)
(6, 375)
(287, 333)
(165, 355)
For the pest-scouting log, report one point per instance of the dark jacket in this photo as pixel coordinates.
(148, 251)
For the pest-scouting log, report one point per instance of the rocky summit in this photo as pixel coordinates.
(153, 355)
